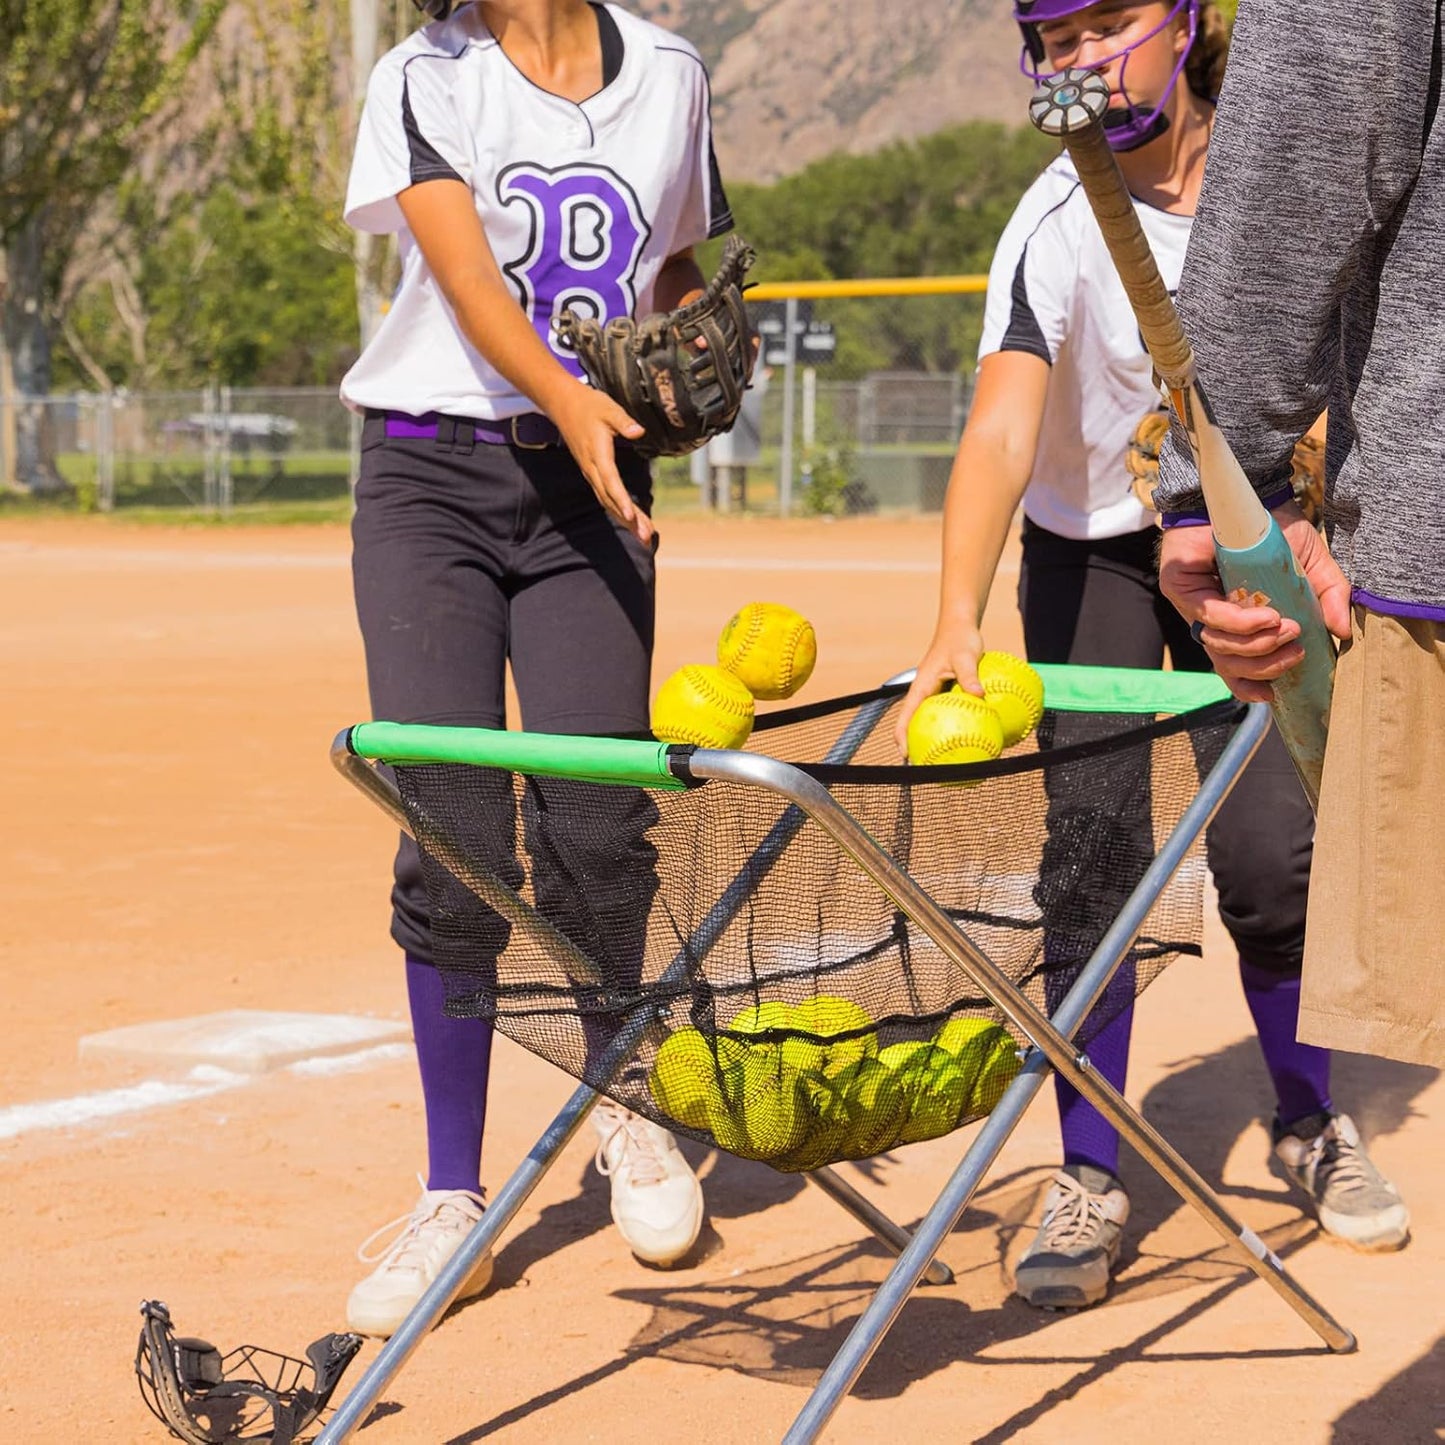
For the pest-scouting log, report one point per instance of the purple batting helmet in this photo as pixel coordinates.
(1133, 125)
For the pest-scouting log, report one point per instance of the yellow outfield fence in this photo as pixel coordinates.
(876, 286)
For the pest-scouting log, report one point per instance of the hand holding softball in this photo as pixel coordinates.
(953, 654)
(937, 731)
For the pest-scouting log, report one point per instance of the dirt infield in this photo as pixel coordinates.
(179, 844)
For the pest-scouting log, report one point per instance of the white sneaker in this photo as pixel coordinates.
(656, 1199)
(1353, 1200)
(1068, 1265)
(429, 1237)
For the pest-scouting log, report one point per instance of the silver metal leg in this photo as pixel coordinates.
(500, 1212)
(1052, 1047)
(942, 1218)
(871, 1217)
(934, 1228)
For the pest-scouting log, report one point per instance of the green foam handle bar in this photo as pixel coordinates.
(625, 761)
(1127, 689)
(644, 764)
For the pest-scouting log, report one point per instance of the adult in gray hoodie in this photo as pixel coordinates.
(1312, 281)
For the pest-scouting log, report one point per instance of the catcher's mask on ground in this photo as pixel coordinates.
(1135, 123)
(206, 1398)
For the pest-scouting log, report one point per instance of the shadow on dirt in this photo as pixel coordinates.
(1409, 1407)
(785, 1322)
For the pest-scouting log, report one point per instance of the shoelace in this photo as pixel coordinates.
(1076, 1218)
(640, 1149)
(1336, 1163)
(408, 1241)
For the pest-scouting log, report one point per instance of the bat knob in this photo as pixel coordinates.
(1070, 102)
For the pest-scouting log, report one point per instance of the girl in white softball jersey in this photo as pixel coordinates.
(581, 197)
(1063, 380)
(530, 155)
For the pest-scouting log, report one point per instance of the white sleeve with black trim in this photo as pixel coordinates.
(409, 133)
(1031, 279)
(706, 213)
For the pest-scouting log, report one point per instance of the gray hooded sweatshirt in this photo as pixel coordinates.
(1315, 277)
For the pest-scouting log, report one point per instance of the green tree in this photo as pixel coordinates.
(929, 207)
(81, 88)
(234, 288)
(245, 276)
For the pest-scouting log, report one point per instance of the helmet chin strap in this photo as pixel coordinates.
(1128, 129)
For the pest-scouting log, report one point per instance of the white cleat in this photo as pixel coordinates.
(1071, 1260)
(406, 1268)
(1354, 1201)
(656, 1199)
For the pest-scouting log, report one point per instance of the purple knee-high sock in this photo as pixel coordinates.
(1300, 1072)
(1088, 1136)
(454, 1056)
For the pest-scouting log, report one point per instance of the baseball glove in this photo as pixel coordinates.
(1306, 472)
(680, 392)
(1142, 456)
(1307, 477)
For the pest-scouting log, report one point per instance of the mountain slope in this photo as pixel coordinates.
(794, 80)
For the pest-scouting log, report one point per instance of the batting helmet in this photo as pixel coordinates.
(1133, 125)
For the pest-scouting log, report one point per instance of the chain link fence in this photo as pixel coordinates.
(216, 448)
(857, 406)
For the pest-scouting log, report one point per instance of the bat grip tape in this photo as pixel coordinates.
(1109, 198)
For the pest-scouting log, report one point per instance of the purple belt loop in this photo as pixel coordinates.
(398, 424)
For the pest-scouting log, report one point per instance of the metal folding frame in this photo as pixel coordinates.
(1050, 1039)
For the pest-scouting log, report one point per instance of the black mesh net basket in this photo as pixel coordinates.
(711, 958)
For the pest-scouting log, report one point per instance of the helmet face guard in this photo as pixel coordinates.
(250, 1394)
(1133, 125)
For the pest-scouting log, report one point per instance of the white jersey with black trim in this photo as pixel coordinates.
(1054, 292)
(581, 203)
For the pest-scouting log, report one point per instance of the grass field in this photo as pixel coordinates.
(315, 486)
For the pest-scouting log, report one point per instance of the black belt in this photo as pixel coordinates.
(529, 430)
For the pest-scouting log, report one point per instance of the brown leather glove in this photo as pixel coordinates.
(680, 392)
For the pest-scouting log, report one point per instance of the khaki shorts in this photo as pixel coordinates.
(1374, 967)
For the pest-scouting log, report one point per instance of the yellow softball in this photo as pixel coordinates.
(702, 705)
(1016, 692)
(954, 727)
(770, 648)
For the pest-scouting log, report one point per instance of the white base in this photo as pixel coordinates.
(248, 1041)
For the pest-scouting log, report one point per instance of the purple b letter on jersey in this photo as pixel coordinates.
(587, 235)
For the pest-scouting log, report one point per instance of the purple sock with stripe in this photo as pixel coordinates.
(1089, 1138)
(455, 1057)
(1299, 1072)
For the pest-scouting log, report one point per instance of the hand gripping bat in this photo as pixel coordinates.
(1252, 551)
